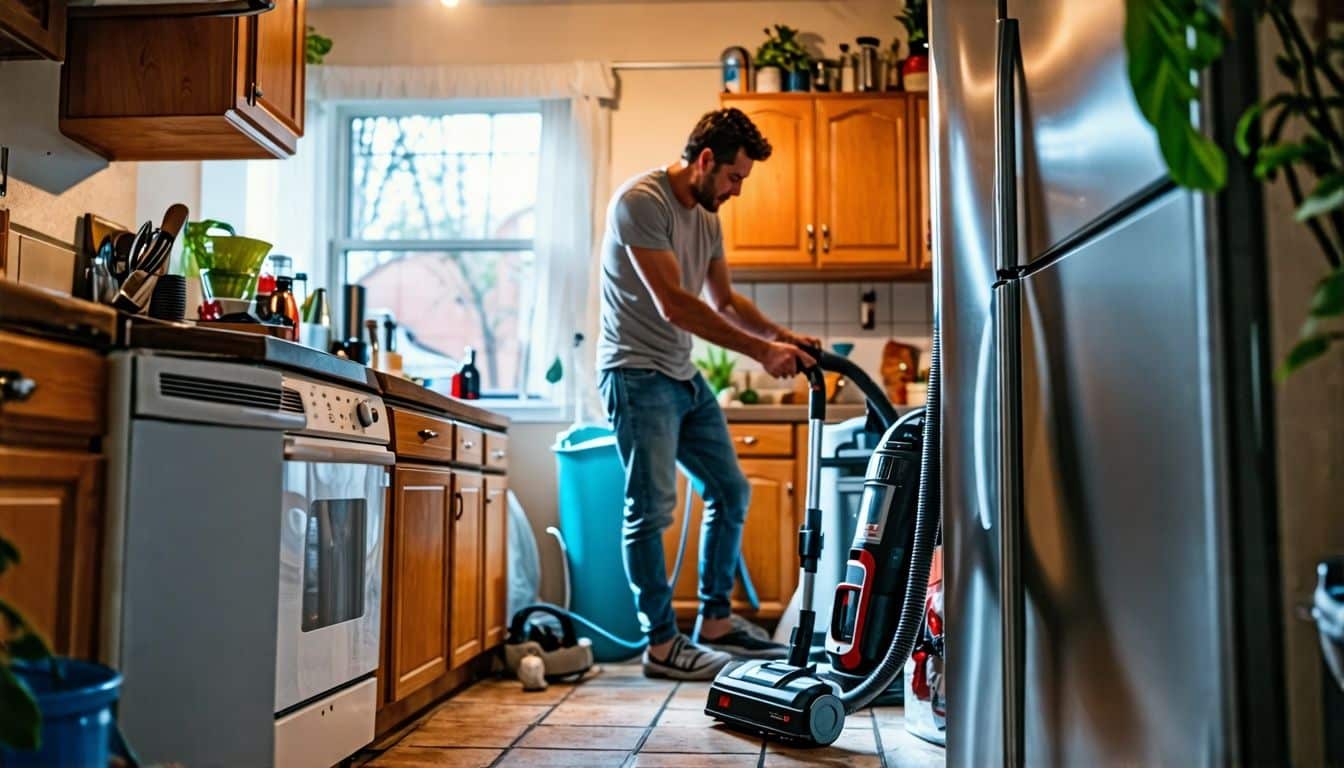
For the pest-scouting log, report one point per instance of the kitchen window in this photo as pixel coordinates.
(437, 210)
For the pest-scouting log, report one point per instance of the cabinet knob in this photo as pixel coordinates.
(825, 239)
(788, 488)
(498, 453)
(750, 440)
(811, 239)
(257, 93)
(467, 445)
(427, 434)
(15, 387)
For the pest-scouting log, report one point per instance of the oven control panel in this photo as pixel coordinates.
(337, 412)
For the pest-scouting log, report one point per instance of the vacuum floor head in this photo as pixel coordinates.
(775, 699)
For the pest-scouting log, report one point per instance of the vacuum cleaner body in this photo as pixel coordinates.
(868, 603)
(775, 698)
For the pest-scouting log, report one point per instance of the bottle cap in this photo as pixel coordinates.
(266, 283)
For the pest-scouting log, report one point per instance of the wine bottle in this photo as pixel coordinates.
(471, 377)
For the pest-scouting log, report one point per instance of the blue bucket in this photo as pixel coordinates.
(76, 713)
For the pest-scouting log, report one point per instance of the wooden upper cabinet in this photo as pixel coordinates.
(221, 88)
(767, 224)
(863, 176)
(919, 165)
(271, 82)
(32, 29)
(465, 573)
(50, 509)
(420, 550)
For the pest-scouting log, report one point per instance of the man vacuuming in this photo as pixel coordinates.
(663, 249)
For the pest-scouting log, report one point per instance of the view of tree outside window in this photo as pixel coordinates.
(440, 212)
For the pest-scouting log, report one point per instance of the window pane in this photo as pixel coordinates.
(457, 177)
(446, 301)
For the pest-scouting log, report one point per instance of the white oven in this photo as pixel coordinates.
(332, 507)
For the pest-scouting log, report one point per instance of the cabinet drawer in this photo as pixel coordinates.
(762, 439)
(421, 436)
(496, 450)
(470, 445)
(68, 387)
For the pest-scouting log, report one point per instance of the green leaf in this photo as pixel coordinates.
(28, 646)
(1272, 157)
(1327, 196)
(1328, 300)
(1250, 118)
(555, 372)
(1303, 352)
(21, 725)
(8, 554)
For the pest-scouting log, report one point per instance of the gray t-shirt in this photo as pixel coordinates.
(644, 213)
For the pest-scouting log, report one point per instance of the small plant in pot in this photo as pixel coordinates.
(717, 365)
(53, 711)
(782, 61)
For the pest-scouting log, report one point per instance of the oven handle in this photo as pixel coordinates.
(334, 451)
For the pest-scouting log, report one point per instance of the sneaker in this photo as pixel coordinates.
(686, 661)
(743, 645)
(740, 624)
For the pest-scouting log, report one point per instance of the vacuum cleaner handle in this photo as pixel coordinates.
(878, 402)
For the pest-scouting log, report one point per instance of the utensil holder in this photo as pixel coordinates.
(169, 301)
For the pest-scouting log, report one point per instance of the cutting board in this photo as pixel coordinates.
(900, 365)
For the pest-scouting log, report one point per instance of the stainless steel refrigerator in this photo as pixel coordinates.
(1107, 499)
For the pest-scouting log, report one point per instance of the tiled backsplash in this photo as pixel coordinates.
(831, 311)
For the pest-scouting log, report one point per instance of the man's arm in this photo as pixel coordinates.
(743, 312)
(660, 273)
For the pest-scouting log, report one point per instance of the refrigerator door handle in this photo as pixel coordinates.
(1005, 147)
(1007, 313)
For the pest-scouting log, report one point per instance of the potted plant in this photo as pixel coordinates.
(717, 365)
(915, 67)
(782, 63)
(52, 711)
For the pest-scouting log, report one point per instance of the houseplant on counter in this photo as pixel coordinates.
(717, 365)
(782, 61)
(53, 711)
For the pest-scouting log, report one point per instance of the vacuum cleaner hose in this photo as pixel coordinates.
(927, 521)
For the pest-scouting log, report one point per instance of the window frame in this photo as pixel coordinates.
(342, 243)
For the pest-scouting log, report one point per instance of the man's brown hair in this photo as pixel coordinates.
(723, 132)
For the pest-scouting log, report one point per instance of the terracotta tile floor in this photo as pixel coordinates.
(619, 718)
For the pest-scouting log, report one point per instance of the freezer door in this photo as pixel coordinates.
(1084, 146)
(1122, 641)
(962, 188)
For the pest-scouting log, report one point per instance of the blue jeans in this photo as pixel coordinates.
(659, 423)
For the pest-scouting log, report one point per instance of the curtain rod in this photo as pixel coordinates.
(665, 65)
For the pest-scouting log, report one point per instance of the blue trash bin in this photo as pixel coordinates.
(76, 714)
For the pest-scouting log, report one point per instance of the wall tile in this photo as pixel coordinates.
(807, 303)
(812, 329)
(910, 303)
(842, 303)
(773, 300)
(746, 289)
(850, 331)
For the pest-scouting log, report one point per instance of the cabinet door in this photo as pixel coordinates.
(496, 561)
(919, 164)
(421, 536)
(464, 571)
(862, 177)
(51, 511)
(767, 224)
(271, 81)
(769, 541)
(32, 29)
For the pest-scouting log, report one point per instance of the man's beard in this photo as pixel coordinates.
(704, 194)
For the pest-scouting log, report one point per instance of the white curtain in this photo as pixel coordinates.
(576, 99)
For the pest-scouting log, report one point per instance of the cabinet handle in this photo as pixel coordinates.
(467, 445)
(825, 239)
(811, 239)
(461, 505)
(498, 453)
(257, 93)
(15, 387)
(750, 440)
(427, 434)
(788, 488)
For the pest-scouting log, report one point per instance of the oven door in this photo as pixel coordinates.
(331, 566)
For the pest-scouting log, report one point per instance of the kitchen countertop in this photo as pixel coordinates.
(397, 390)
(790, 413)
(53, 315)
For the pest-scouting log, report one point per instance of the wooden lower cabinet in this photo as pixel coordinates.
(495, 567)
(420, 539)
(465, 573)
(51, 510)
(769, 541)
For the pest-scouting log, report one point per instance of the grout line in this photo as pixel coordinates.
(654, 722)
(534, 724)
(877, 738)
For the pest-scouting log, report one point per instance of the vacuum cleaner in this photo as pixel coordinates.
(878, 611)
